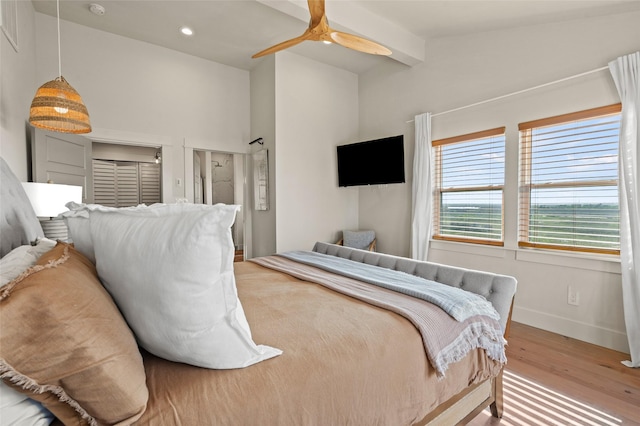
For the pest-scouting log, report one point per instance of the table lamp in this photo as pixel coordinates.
(48, 201)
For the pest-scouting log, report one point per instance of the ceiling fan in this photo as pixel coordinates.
(319, 30)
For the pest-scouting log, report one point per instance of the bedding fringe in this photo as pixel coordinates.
(7, 289)
(9, 373)
(474, 336)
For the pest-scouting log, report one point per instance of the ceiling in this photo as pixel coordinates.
(230, 31)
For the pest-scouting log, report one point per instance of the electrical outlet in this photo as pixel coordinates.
(573, 296)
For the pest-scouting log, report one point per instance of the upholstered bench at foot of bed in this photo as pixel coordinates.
(497, 289)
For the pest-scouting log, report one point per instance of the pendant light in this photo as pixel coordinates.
(57, 106)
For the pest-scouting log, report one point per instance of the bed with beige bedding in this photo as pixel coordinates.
(363, 355)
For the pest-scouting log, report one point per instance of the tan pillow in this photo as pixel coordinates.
(64, 343)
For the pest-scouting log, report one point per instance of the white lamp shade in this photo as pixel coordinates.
(49, 199)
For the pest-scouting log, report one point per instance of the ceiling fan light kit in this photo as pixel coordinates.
(319, 30)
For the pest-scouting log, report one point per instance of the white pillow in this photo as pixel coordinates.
(22, 258)
(77, 221)
(18, 409)
(170, 270)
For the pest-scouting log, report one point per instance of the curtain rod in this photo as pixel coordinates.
(518, 92)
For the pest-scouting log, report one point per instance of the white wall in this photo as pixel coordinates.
(17, 88)
(302, 109)
(239, 177)
(141, 93)
(463, 70)
(113, 152)
(262, 240)
(316, 110)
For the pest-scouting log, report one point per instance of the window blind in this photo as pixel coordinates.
(569, 181)
(469, 181)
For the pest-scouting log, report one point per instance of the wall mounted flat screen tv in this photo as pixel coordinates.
(374, 162)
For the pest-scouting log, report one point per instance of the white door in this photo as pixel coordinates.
(62, 158)
(197, 179)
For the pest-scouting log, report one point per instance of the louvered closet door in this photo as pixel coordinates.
(104, 178)
(122, 184)
(149, 183)
(127, 190)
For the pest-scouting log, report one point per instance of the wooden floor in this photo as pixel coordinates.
(555, 380)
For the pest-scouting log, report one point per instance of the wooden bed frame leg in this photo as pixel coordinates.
(497, 406)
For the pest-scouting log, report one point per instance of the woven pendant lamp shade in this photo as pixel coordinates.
(58, 107)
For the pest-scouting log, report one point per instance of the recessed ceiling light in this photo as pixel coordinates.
(186, 31)
(326, 41)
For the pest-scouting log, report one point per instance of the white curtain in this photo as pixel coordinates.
(626, 74)
(421, 189)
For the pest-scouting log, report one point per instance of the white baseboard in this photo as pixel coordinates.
(601, 336)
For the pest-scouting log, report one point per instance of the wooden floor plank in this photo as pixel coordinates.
(555, 380)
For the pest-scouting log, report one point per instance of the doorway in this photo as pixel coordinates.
(125, 176)
(69, 159)
(219, 177)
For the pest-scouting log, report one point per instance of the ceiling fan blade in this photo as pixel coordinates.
(284, 45)
(319, 30)
(358, 43)
(316, 9)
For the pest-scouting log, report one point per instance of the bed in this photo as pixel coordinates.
(313, 353)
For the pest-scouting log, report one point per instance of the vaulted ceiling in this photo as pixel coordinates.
(231, 31)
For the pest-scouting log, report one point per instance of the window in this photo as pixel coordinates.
(569, 182)
(469, 180)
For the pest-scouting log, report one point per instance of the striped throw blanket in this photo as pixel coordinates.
(456, 302)
(446, 340)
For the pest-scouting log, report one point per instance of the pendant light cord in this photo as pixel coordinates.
(59, 56)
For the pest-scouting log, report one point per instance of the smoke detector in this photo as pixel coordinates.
(97, 9)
